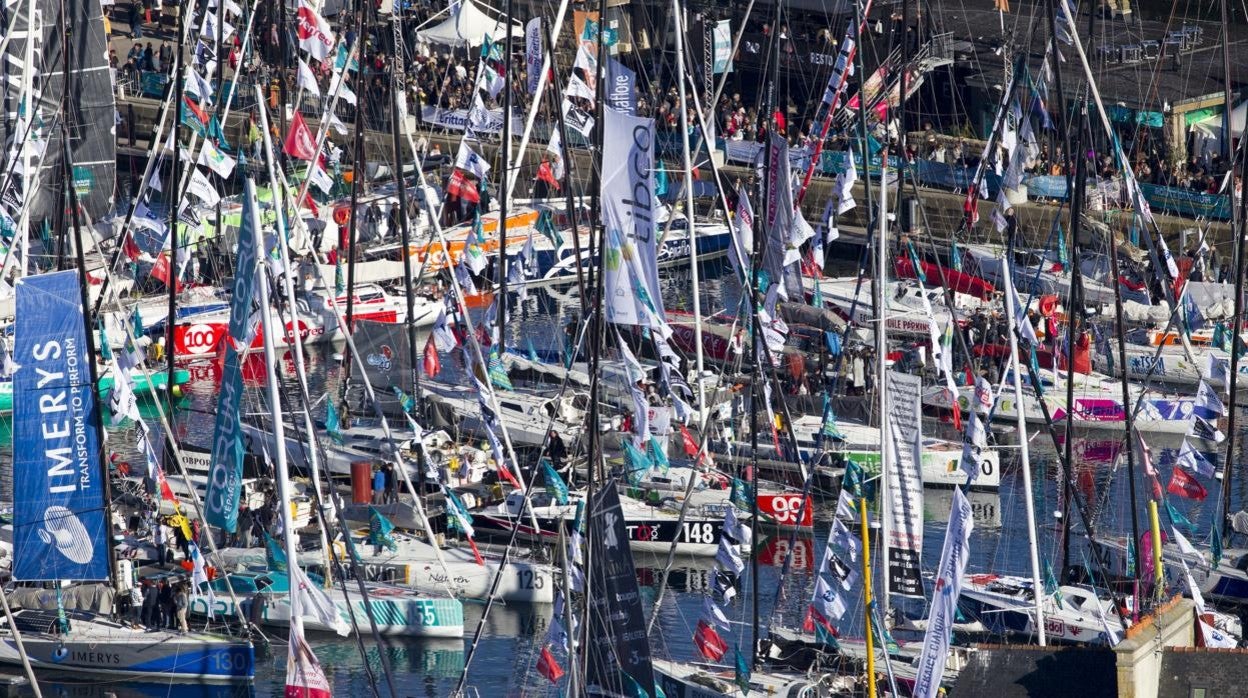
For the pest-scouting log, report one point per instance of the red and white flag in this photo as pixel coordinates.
(1186, 486)
(160, 270)
(300, 143)
(315, 36)
(304, 676)
(708, 642)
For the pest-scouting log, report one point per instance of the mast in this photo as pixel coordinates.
(597, 316)
(881, 353)
(1128, 413)
(171, 278)
(504, 190)
(1073, 324)
(72, 194)
(1024, 444)
(681, 74)
(398, 112)
(1239, 225)
(358, 172)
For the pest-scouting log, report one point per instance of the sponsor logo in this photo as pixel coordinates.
(199, 339)
(383, 359)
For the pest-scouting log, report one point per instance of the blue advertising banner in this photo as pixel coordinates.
(242, 326)
(225, 475)
(621, 87)
(59, 525)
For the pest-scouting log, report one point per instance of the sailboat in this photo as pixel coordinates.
(60, 504)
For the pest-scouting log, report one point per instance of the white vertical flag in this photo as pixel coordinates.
(953, 559)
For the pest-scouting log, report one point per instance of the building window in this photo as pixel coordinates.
(1199, 693)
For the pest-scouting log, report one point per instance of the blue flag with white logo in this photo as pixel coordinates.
(225, 475)
(59, 527)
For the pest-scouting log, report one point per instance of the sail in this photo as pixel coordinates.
(59, 525)
(619, 648)
(92, 107)
(383, 345)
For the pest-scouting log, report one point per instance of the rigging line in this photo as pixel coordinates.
(158, 145)
(312, 438)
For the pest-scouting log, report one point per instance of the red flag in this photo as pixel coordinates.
(131, 247)
(708, 642)
(505, 473)
(310, 204)
(455, 185)
(300, 143)
(957, 414)
(432, 365)
(1185, 485)
(691, 444)
(166, 492)
(195, 109)
(468, 192)
(160, 270)
(971, 205)
(548, 667)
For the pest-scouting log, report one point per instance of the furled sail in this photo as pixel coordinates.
(92, 111)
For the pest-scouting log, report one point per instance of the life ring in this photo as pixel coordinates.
(341, 214)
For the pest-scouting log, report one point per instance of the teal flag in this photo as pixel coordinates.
(830, 429)
(458, 517)
(106, 352)
(379, 530)
(1062, 255)
(554, 482)
(853, 479)
(1215, 545)
(636, 461)
(1177, 518)
(741, 674)
(914, 261)
(546, 226)
(136, 323)
(478, 228)
(955, 256)
(660, 181)
(657, 455)
(824, 637)
(216, 134)
(498, 372)
(406, 401)
(333, 423)
(742, 494)
(274, 554)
